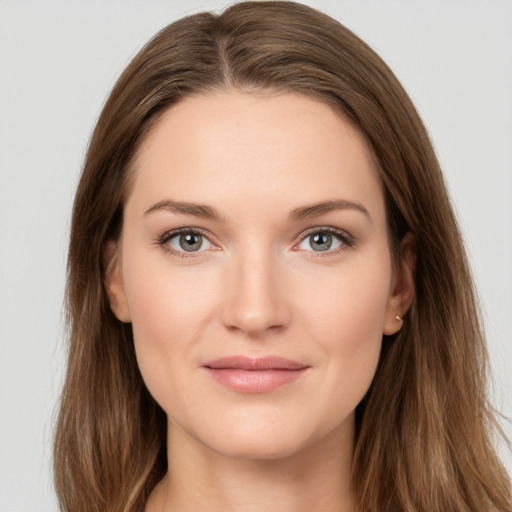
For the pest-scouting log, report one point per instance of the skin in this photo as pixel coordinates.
(257, 286)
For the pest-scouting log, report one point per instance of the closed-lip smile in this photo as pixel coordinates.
(254, 375)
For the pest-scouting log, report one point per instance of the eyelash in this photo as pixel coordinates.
(347, 241)
(166, 237)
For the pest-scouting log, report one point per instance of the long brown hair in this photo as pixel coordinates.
(425, 430)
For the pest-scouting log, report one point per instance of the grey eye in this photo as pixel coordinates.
(320, 241)
(189, 242)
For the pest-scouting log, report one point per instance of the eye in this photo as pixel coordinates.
(186, 242)
(325, 240)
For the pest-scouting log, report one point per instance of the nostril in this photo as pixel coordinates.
(254, 322)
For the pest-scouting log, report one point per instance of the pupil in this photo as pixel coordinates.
(321, 241)
(190, 242)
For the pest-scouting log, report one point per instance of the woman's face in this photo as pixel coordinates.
(255, 269)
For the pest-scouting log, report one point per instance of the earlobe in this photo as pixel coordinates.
(402, 292)
(114, 285)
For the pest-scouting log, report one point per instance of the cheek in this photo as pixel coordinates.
(166, 301)
(348, 302)
(169, 312)
(348, 324)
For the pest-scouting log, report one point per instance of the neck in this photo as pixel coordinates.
(313, 478)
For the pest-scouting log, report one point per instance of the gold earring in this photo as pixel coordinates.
(399, 318)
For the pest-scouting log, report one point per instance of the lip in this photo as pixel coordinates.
(254, 375)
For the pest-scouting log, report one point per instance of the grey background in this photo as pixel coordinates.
(58, 61)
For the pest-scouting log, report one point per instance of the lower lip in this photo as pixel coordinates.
(254, 381)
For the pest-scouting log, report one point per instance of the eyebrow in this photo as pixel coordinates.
(198, 210)
(303, 212)
(315, 210)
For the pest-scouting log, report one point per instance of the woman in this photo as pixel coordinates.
(270, 305)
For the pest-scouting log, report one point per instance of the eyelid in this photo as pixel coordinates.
(346, 239)
(168, 235)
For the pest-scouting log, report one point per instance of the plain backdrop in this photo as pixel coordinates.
(58, 60)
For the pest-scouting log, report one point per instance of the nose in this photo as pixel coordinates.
(255, 299)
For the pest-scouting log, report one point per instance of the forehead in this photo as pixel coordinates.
(271, 149)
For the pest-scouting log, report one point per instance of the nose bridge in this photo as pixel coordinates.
(255, 299)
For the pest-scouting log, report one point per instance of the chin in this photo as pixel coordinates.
(277, 438)
(259, 447)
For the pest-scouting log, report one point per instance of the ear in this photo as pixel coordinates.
(114, 283)
(402, 286)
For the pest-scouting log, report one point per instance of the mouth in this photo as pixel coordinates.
(254, 375)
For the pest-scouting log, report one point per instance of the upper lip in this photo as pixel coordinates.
(254, 364)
